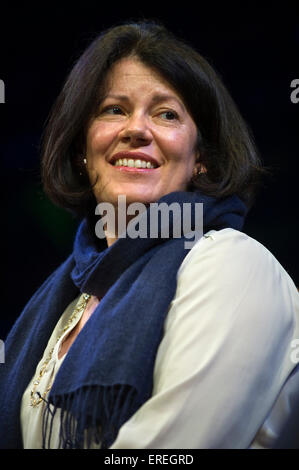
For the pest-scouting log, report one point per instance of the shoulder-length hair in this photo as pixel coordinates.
(225, 143)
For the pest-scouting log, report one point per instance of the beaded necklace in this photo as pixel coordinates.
(35, 397)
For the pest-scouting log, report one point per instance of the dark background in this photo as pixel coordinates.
(255, 48)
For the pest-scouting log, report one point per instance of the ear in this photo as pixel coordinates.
(198, 166)
(201, 168)
(80, 164)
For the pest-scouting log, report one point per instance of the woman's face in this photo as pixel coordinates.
(141, 143)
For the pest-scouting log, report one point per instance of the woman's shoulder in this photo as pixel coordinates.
(229, 263)
(229, 275)
(234, 249)
(226, 240)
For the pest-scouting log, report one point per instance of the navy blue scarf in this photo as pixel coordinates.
(108, 372)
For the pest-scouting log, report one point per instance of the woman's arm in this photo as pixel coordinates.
(225, 353)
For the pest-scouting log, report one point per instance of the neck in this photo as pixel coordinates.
(112, 228)
(110, 239)
(117, 219)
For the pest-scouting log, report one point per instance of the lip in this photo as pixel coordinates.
(134, 156)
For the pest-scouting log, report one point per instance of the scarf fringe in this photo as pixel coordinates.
(90, 416)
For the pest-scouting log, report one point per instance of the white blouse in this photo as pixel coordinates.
(222, 375)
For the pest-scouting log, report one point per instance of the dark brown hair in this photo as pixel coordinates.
(225, 143)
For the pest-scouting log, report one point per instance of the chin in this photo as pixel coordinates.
(133, 197)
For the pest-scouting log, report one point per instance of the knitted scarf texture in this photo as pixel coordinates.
(107, 373)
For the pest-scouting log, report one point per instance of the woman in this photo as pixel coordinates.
(139, 342)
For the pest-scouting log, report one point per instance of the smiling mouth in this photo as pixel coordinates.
(131, 163)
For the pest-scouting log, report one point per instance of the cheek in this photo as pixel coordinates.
(179, 147)
(99, 137)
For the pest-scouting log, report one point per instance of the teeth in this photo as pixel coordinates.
(133, 163)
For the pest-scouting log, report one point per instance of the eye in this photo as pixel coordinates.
(169, 115)
(112, 109)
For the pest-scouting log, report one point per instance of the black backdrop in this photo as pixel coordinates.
(254, 48)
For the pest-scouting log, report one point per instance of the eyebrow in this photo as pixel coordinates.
(156, 99)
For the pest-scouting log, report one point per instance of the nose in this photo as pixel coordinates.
(136, 131)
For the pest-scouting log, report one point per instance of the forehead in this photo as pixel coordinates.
(130, 74)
